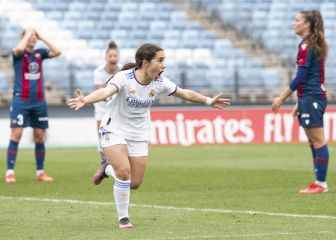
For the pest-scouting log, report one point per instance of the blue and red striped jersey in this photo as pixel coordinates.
(28, 83)
(314, 82)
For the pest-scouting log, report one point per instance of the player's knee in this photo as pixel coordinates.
(39, 137)
(16, 135)
(123, 173)
(317, 142)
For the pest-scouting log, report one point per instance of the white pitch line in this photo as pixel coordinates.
(249, 235)
(188, 209)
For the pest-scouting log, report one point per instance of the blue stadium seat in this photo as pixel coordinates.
(131, 23)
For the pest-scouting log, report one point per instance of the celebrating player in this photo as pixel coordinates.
(29, 107)
(309, 84)
(126, 130)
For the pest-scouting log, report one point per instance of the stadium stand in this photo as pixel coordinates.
(197, 56)
(269, 22)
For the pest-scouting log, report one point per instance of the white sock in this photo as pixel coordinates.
(122, 192)
(9, 172)
(109, 171)
(322, 184)
(39, 172)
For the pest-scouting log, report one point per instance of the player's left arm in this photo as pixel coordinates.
(192, 96)
(53, 50)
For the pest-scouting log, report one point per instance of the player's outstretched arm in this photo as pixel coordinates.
(98, 95)
(192, 96)
(54, 51)
(21, 46)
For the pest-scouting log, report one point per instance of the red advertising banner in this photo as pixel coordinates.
(188, 126)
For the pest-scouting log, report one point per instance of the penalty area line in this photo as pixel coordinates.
(247, 235)
(162, 207)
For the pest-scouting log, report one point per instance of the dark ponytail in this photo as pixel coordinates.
(316, 39)
(128, 66)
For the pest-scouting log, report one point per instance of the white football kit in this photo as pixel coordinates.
(128, 118)
(100, 78)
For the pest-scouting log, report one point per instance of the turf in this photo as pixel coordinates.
(199, 183)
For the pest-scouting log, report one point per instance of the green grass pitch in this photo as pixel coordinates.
(189, 193)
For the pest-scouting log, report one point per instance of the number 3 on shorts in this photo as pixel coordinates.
(19, 119)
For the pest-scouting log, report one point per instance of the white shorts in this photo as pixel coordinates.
(135, 148)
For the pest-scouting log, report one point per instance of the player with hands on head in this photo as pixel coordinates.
(28, 106)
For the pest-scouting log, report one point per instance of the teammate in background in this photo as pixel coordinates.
(101, 74)
(126, 130)
(309, 84)
(29, 107)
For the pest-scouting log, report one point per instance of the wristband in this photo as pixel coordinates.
(208, 101)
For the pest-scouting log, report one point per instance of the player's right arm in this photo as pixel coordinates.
(19, 49)
(96, 96)
(295, 110)
(300, 78)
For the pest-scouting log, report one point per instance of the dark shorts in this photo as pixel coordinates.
(311, 110)
(24, 114)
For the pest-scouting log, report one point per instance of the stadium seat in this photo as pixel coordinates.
(131, 23)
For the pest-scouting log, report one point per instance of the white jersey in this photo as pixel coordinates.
(129, 114)
(100, 75)
(100, 78)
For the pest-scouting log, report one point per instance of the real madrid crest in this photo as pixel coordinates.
(151, 93)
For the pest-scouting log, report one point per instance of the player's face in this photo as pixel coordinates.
(156, 65)
(32, 40)
(112, 57)
(300, 26)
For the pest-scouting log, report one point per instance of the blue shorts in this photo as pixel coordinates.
(27, 114)
(311, 110)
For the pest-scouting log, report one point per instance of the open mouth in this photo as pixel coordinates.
(159, 74)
